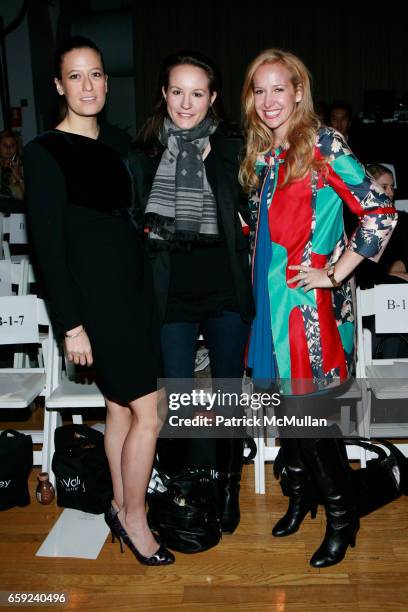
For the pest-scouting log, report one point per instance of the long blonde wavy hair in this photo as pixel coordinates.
(302, 127)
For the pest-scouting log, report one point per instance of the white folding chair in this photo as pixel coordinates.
(19, 386)
(16, 274)
(65, 394)
(401, 205)
(14, 226)
(4, 229)
(387, 379)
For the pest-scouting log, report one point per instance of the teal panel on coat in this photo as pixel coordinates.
(349, 169)
(346, 331)
(329, 221)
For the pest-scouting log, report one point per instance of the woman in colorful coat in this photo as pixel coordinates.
(302, 339)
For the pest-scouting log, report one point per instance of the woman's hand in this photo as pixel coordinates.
(310, 278)
(78, 347)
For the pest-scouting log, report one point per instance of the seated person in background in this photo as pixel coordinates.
(393, 265)
(340, 115)
(384, 178)
(11, 171)
(391, 269)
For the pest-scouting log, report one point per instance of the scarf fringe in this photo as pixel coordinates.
(173, 239)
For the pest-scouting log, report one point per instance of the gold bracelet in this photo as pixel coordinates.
(75, 335)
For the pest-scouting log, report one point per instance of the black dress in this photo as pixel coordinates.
(91, 257)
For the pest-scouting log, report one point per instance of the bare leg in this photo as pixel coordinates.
(118, 422)
(162, 408)
(137, 460)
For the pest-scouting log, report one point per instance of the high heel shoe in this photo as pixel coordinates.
(162, 556)
(109, 515)
(328, 461)
(229, 456)
(340, 533)
(297, 510)
(302, 492)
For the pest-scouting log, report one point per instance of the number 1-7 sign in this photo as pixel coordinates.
(18, 320)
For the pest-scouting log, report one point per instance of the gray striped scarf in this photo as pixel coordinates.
(181, 206)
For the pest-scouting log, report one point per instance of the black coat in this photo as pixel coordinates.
(221, 167)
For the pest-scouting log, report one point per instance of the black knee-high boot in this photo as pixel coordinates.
(230, 455)
(302, 491)
(329, 467)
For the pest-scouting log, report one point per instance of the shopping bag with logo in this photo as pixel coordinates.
(81, 469)
(16, 462)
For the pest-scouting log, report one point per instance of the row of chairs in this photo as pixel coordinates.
(382, 379)
(25, 321)
(19, 386)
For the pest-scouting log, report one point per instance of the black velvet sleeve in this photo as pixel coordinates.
(45, 194)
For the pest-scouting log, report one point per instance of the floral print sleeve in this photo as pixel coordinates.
(361, 194)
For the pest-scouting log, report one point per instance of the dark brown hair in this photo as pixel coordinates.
(147, 138)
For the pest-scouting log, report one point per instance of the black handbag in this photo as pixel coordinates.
(185, 516)
(384, 479)
(81, 469)
(16, 462)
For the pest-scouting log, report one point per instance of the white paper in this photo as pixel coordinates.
(391, 308)
(18, 320)
(75, 534)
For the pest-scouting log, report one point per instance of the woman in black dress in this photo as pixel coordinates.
(185, 173)
(98, 280)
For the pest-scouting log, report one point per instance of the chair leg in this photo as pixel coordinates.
(52, 420)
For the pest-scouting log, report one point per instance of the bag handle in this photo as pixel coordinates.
(394, 450)
(367, 445)
(13, 432)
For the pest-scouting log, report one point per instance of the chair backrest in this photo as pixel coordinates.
(16, 274)
(2, 255)
(389, 305)
(401, 205)
(20, 321)
(15, 226)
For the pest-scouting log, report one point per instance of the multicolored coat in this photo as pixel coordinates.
(313, 333)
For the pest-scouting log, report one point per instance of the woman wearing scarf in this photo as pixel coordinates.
(186, 183)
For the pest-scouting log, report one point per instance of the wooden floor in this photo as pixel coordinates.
(249, 570)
